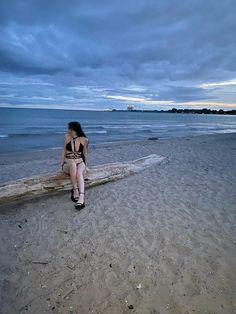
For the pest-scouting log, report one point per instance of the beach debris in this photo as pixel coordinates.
(41, 263)
(71, 267)
(130, 307)
(25, 308)
(139, 286)
(130, 269)
(67, 294)
(63, 231)
(70, 264)
(110, 265)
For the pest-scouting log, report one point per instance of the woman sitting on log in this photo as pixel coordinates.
(74, 161)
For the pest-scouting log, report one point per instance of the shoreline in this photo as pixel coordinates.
(131, 140)
(25, 152)
(26, 164)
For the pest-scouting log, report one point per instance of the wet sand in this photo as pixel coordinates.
(159, 241)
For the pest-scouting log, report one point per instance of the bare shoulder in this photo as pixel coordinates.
(84, 140)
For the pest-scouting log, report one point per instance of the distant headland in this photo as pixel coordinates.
(175, 110)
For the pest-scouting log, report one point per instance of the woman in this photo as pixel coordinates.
(74, 161)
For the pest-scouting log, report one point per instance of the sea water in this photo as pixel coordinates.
(37, 129)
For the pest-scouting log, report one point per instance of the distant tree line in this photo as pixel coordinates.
(202, 111)
(175, 110)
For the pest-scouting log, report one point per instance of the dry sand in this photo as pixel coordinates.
(160, 241)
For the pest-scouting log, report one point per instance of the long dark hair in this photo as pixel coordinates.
(75, 126)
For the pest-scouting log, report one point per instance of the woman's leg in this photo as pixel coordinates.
(73, 178)
(80, 180)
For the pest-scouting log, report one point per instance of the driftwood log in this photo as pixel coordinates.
(40, 185)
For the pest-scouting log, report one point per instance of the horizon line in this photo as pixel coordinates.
(113, 109)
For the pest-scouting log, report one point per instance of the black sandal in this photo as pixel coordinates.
(74, 199)
(79, 205)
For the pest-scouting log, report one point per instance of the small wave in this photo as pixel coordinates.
(32, 134)
(93, 126)
(126, 126)
(44, 126)
(96, 132)
(3, 135)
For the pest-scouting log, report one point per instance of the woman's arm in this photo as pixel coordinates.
(63, 153)
(85, 151)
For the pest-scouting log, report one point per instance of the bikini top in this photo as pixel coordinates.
(69, 146)
(73, 153)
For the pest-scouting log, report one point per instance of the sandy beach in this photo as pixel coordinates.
(162, 241)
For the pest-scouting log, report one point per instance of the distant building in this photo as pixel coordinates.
(109, 109)
(130, 108)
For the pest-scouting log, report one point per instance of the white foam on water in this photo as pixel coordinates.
(96, 132)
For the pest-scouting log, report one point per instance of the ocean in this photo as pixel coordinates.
(39, 129)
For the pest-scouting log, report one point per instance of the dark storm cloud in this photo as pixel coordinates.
(12, 63)
(166, 49)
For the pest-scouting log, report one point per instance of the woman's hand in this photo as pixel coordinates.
(62, 164)
(86, 173)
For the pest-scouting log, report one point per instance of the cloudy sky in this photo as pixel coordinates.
(154, 54)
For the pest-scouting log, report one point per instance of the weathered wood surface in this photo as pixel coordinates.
(39, 185)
